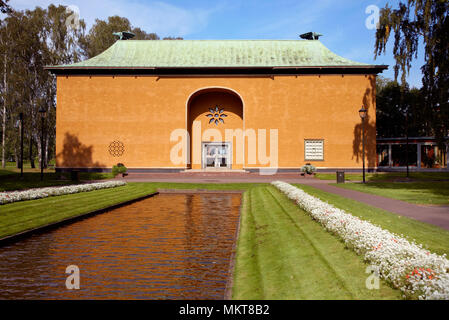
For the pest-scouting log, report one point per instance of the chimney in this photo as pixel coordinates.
(124, 35)
(311, 36)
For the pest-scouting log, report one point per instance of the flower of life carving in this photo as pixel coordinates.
(116, 149)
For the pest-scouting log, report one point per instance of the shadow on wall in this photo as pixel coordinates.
(74, 154)
(369, 100)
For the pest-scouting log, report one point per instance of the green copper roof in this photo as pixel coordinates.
(215, 54)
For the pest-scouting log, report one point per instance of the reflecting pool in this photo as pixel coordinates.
(171, 246)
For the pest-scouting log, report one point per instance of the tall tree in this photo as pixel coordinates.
(36, 38)
(412, 22)
(4, 8)
(101, 36)
(399, 110)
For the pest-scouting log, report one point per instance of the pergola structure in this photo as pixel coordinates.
(424, 154)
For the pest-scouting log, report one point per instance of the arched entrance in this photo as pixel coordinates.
(214, 123)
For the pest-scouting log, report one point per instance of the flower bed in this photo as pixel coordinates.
(409, 267)
(32, 194)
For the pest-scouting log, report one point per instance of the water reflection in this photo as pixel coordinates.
(166, 247)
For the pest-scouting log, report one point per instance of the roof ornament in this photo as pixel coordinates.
(311, 36)
(124, 35)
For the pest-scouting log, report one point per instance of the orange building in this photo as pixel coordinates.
(174, 105)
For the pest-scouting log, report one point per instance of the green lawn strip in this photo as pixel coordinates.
(248, 280)
(33, 207)
(348, 267)
(432, 237)
(283, 254)
(21, 216)
(388, 176)
(435, 193)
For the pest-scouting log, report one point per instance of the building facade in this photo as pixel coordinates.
(215, 105)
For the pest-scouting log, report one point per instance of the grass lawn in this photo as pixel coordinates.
(283, 254)
(387, 176)
(10, 179)
(435, 193)
(21, 216)
(432, 237)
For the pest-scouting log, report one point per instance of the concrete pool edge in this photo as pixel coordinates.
(28, 233)
(199, 191)
(231, 269)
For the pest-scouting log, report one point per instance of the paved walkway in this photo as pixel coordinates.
(436, 215)
(210, 177)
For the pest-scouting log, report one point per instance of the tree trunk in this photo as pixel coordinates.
(33, 166)
(4, 114)
(39, 149)
(16, 158)
(46, 153)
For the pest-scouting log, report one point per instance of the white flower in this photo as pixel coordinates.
(406, 265)
(9, 197)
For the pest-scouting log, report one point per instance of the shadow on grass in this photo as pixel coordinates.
(11, 181)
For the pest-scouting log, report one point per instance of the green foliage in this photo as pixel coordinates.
(400, 110)
(118, 169)
(101, 36)
(29, 41)
(411, 23)
(308, 169)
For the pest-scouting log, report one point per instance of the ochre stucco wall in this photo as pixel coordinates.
(143, 111)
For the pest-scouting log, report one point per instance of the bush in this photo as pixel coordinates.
(308, 168)
(118, 169)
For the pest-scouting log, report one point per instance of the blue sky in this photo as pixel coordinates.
(341, 21)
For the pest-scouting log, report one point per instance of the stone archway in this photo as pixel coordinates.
(213, 115)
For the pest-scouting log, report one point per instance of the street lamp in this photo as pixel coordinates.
(42, 111)
(362, 114)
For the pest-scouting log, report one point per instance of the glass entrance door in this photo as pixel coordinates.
(216, 155)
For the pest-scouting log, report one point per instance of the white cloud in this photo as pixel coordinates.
(160, 17)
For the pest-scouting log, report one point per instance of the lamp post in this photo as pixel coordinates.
(42, 111)
(362, 114)
(406, 143)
